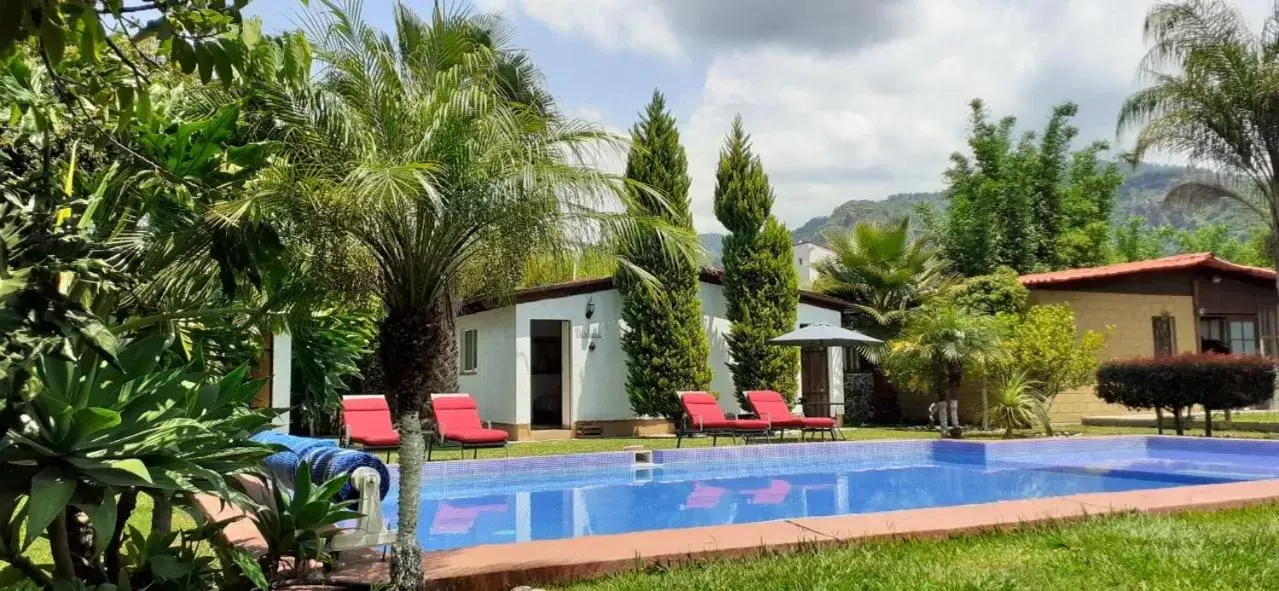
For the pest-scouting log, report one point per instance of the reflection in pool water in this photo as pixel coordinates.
(505, 508)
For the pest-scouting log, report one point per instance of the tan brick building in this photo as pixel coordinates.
(1177, 304)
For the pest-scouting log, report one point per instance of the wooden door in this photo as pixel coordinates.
(815, 383)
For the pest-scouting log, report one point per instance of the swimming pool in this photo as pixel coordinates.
(474, 503)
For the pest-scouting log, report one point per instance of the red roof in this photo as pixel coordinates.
(1180, 262)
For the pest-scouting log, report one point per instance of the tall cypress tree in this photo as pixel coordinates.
(665, 344)
(760, 285)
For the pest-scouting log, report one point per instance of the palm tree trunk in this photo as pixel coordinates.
(418, 358)
(954, 377)
(939, 388)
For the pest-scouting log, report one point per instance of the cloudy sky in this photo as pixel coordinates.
(845, 99)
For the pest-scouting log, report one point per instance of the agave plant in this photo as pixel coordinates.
(299, 526)
(1017, 402)
(96, 432)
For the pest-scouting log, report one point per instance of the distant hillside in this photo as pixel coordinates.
(1141, 194)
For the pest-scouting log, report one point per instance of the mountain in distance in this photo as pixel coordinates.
(1141, 194)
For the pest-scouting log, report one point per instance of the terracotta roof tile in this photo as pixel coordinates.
(1180, 262)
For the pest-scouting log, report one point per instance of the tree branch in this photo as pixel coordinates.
(156, 5)
(128, 62)
(28, 569)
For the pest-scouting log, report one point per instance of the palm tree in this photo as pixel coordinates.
(883, 272)
(1210, 96)
(946, 339)
(432, 158)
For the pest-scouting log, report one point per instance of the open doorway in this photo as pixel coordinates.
(547, 373)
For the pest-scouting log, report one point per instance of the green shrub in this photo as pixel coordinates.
(1178, 382)
(997, 293)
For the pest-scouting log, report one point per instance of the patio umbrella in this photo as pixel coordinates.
(823, 335)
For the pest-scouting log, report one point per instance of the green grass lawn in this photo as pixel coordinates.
(1264, 416)
(141, 519)
(1232, 549)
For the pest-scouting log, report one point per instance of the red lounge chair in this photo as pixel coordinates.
(770, 406)
(366, 420)
(702, 415)
(457, 422)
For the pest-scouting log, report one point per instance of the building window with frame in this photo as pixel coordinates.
(1243, 336)
(1165, 333)
(470, 351)
(1237, 334)
(1268, 328)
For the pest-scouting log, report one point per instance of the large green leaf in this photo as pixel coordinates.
(87, 421)
(51, 490)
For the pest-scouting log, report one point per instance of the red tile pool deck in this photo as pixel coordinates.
(503, 566)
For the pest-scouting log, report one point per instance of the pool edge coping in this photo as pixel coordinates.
(545, 561)
(495, 566)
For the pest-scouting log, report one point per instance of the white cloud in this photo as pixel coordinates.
(612, 24)
(880, 112)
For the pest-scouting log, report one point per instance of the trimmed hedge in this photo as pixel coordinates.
(1178, 382)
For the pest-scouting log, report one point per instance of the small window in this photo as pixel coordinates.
(1165, 333)
(470, 351)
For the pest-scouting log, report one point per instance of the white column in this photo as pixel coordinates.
(282, 378)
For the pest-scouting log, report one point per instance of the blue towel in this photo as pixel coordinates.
(326, 459)
(295, 444)
(330, 462)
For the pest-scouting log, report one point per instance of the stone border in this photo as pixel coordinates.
(503, 566)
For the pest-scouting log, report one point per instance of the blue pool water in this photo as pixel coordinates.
(495, 502)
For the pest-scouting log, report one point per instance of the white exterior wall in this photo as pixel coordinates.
(595, 388)
(492, 383)
(806, 254)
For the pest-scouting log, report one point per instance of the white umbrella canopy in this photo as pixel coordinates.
(823, 334)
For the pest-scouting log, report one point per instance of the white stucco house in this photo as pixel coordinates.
(551, 363)
(808, 254)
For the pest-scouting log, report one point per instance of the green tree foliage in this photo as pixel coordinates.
(935, 347)
(591, 262)
(1178, 382)
(1027, 203)
(993, 294)
(1048, 346)
(760, 285)
(1208, 75)
(1136, 241)
(327, 350)
(665, 343)
(884, 272)
(434, 155)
